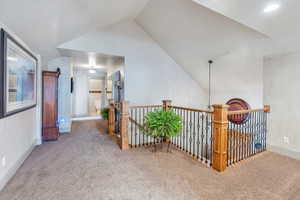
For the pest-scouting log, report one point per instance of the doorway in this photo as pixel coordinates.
(95, 84)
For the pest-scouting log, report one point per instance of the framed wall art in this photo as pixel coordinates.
(18, 77)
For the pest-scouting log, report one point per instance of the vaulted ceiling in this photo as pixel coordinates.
(191, 33)
(185, 29)
(44, 24)
(281, 26)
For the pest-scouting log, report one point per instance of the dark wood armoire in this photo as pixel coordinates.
(50, 105)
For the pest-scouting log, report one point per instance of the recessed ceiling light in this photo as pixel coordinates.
(271, 8)
(92, 71)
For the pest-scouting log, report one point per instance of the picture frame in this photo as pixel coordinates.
(18, 76)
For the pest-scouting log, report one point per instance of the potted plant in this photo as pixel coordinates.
(163, 125)
(105, 113)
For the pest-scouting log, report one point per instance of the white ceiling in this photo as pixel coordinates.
(189, 32)
(281, 25)
(186, 30)
(192, 34)
(44, 24)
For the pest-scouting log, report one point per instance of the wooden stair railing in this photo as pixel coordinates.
(219, 124)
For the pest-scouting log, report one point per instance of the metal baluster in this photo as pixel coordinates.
(148, 137)
(242, 138)
(233, 132)
(228, 145)
(248, 135)
(145, 114)
(245, 137)
(194, 136)
(177, 137)
(175, 140)
(263, 130)
(140, 131)
(260, 131)
(186, 130)
(206, 138)
(257, 132)
(266, 129)
(253, 134)
(202, 136)
(198, 134)
(182, 130)
(152, 138)
(239, 139)
(236, 148)
(232, 142)
(131, 128)
(144, 143)
(211, 139)
(190, 133)
(135, 131)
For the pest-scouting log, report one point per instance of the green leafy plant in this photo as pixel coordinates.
(105, 113)
(163, 124)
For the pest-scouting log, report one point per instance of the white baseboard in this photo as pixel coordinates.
(14, 168)
(285, 152)
(86, 118)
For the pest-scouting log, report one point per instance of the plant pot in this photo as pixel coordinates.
(164, 140)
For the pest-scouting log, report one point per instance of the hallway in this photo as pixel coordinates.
(88, 165)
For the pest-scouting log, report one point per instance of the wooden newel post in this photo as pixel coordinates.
(267, 108)
(111, 119)
(220, 136)
(166, 104)
(124, 145)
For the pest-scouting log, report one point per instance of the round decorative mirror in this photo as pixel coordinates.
(238, 104)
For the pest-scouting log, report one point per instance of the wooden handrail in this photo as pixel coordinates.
(151, 106)
(191, 109)
(247, 111)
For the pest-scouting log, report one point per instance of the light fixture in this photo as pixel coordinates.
(271, 8)
(92, 71)
(12, 58)
(210, 62)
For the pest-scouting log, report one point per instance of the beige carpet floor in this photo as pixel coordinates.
(87, 165)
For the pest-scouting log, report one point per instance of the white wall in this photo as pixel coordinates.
(19, 134)
(238, 74)
(150, 74)
(281, 91)
(64, 92)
